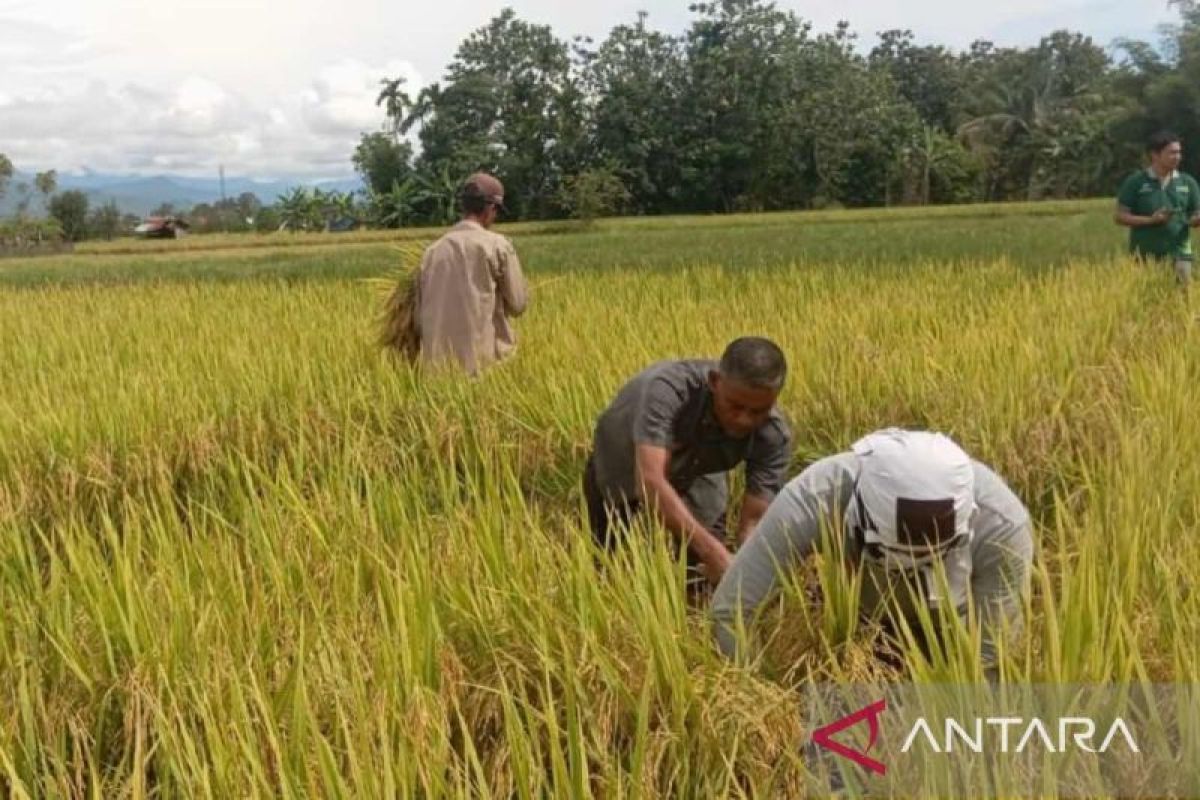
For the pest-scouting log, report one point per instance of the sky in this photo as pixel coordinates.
(284, 90)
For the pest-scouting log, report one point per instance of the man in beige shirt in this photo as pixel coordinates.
(470, 285)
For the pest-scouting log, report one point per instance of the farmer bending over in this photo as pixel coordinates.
(924, 522)
(668, 440)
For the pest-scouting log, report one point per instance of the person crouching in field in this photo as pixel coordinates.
(668, 440)
(1160, 205)
(469, 286)
(922, 522)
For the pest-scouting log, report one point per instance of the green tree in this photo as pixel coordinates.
(633, 70)
(439, 194)
(510, 104)
(246, 207)
(105, 221)
(70, 208)
(395, 102)
(294, 209)
(6, 173)
(267, 220)
(1040, 116)
(937, 168)
(382, 161)
(931, 78)
(1161, 88)
(592, 193)
(46, 183)
(397, 206)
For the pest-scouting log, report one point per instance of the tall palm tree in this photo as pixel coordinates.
(395, 102)
(420, 109)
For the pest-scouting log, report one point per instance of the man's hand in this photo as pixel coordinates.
(1160, 217)
(661, 497)
(715, 568)
(1195, 221)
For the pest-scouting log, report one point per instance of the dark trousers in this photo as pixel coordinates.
(609, 520)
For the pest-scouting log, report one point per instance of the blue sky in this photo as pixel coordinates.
(283, 89)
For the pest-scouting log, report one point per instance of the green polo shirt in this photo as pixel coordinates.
(1143, 193)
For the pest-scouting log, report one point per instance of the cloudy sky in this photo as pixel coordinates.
(275, 89)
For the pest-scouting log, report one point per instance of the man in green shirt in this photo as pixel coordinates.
(1160, 205)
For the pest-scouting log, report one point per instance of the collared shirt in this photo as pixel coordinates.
(470, 284)
(670, 405)
(990, 571)
(1144, 193)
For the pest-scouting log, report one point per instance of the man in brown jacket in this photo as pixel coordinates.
(470, 285)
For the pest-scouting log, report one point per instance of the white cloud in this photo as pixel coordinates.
(341, 99)
(196, 124)
(273, 89)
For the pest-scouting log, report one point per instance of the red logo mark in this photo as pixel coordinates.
(824, 736)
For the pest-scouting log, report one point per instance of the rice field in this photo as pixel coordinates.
(244, 554)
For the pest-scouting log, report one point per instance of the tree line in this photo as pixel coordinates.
(751, 109)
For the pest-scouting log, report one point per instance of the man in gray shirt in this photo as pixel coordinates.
(925, 523)
(668, 440)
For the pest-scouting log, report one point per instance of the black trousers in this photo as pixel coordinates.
(609, 520)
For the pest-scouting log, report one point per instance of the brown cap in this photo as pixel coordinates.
(484, 186)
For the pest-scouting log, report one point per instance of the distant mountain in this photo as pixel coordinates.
(140, 195)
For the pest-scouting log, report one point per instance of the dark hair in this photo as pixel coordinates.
(1161, 140)
(473, 203)
(755, 362)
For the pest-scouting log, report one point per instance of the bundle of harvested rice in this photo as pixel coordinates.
(399, 321)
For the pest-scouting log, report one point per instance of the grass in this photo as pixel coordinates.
(241, 553)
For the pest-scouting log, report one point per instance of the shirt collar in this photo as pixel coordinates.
(708, 417)
(1150, 171)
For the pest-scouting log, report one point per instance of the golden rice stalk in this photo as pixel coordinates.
(398, 321)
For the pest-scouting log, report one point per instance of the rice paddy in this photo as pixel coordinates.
(243, 553)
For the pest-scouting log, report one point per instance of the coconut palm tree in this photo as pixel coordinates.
(395, 102)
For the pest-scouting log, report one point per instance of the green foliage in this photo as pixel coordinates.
(105, 221)
(750, 109)
(305, 209)
(71, 210)
(18, 233)
(382, 161)
(231, 215)
(6, 173)
(46, 182)
(592, 193)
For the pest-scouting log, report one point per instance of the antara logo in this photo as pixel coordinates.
(1014, 734)
(824, 736)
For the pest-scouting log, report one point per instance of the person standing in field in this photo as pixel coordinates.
(920, 522)
(668, 440)
(470, 286)
(1160, 205)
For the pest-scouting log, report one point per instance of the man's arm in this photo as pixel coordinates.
(660, 496)
(1001, 564)
(514, 291)
(786, 535)
(1127, 199)
(1127, 218)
